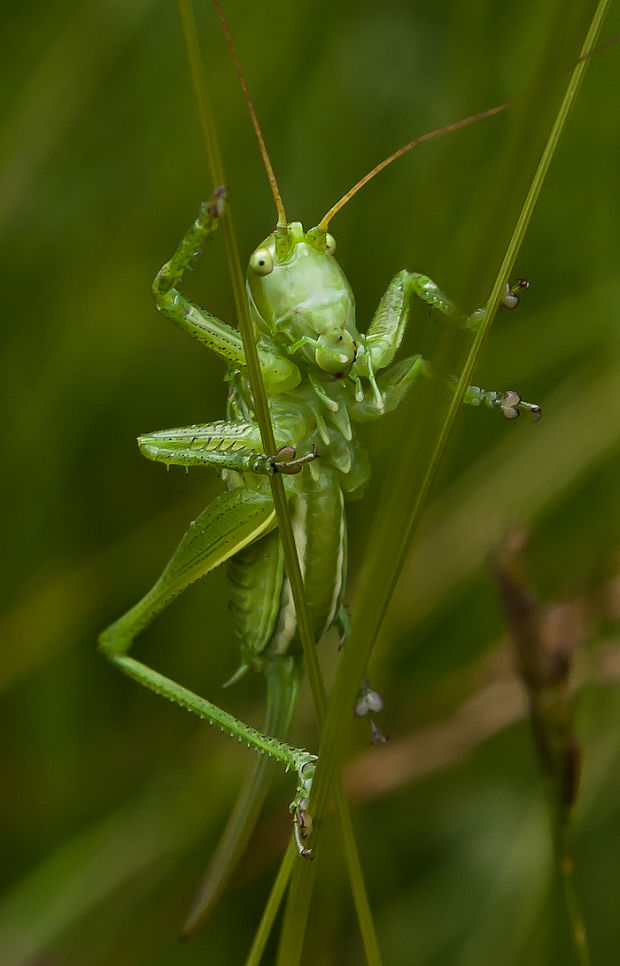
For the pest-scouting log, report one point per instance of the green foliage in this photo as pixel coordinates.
(113, 800)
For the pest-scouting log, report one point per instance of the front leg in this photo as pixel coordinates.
(201, 325)
(278, 372)
(387, 328)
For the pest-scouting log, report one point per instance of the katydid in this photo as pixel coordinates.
(322, 376)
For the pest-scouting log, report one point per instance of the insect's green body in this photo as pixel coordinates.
(321, 376)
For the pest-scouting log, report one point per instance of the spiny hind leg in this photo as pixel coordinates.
(233, 521)
(297, 759)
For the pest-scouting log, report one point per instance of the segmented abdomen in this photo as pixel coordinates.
(262, 605)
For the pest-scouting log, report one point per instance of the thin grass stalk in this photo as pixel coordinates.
(291, 560)
(566, 870)
(560, 819)
(377, 582)
(544, 663)
(272, 906)
(284, 872)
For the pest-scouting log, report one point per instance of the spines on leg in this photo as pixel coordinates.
(224, 444)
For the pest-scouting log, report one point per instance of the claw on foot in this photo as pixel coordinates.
(286, 461)
(302, 820)
(511, 404)
(511, 296)
(376, 736)
(369, 700)
(302, 828)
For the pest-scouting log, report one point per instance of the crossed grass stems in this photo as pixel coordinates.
(396, 517)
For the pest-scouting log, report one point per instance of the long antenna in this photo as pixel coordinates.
(408, 147)
(282, 222)
(456, 126)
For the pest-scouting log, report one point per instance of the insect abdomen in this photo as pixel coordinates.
(256, 575)
(262, 605)
(319, 528)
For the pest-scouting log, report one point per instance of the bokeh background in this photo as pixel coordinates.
(112, 801)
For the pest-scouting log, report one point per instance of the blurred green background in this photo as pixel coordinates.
(112, 800)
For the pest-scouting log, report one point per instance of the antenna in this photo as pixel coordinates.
(325, 220)
(282, 222)
(456, 126)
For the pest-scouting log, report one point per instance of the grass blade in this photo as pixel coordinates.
(378, 581)
(261, 407)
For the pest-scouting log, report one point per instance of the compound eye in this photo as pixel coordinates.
(330, 244)
(261, 261)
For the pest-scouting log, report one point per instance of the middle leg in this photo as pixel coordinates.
(395, 382)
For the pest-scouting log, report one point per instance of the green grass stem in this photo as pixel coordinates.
(291, 560)
(379, 579)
